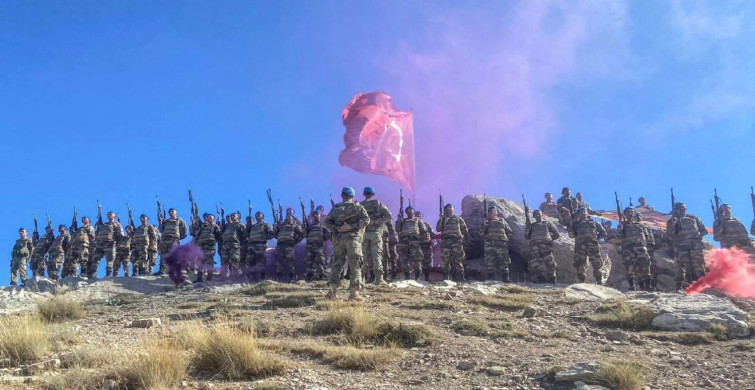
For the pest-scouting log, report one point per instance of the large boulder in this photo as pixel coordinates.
(592, 292)
(699, 312)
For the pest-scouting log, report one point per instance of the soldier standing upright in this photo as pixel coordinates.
(234, 232)
(316, 236)
(410, 230)
(142, 242)
(207, 236)
(453, 233)
(650, 235)
(567, 202)
(730, 231)
(257, 236)
(346, 222)
(496, 233)
(688, 232)
(58, 249)
(426, 244)
(78, 255)
(634, 253)
(22, 249)
(41, 246)
(585, 232)
(288, 233)
(391, 256)
(372, 245)
(172, 231)
(549, 207)
(106, 235)
(123, 252)
(541, 233)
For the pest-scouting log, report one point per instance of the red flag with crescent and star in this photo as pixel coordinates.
(379, 138)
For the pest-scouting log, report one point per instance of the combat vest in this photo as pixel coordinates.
(287, 234)
(496, 230)
(315, 234)
(373, 207)
(549, 209)
(59, 244)
(410, 229)
(687, 229)
(42, 246)
(124, 242)
(141, 235)
(231, 232)
(21, 248)
(585, 229)
(106, 231)
(451, 227)
(427, 237)
(82, 235)
(733, 229)
(259, 232)
(633, 233)
(172, 228)
(539, 231)
(207, 234)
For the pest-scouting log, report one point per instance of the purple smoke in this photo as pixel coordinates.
(182, 258)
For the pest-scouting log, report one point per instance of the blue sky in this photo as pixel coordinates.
(120, 101)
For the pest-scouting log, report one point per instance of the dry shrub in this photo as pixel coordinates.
(471, 327)
(23, 338)
(255, 326)
(404, 335)
(344, 357)
(162, 366)
(59, 309)
(619, 376)
(624, 316)
(266, 287)
(503, 302)
(424, 304)
(62, 336)
(86, 357)
(514, 289)
(719, 331)
(77, 378)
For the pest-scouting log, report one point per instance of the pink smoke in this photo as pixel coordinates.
(729, 270)
(181, 258)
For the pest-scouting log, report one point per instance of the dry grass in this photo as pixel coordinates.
(685, 338)
(514, 289)
(77, 378)
(619, 376)
(162, 366)
(289, 300)
(471, 327)
(23, 338)
(502, 302)
(86, 357)
(227, 351)
(719, 331)
(344, 357)
(624, 316)
(424, 304)
(266, 287)
(60, 309)
(255, 326)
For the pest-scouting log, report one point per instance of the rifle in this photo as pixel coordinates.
(673, 202)
(332, 204)
(280, 211)
(752, 199)
(713, 210)
(400, 204)
(194, 210)
(130, 216)
(311, 206)
(484, 206)
(272, 205)
(35, 234)
(249, 202)
(304, 220)
(160, 210)
(99, 213)
(618, 209)
(440, 211)
(526, 212)
(75, 221)
(49, 221)
(718, 203)
(630, 202)
(222, 215)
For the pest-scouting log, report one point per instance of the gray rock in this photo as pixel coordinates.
(465, 365)
(38, 368)
(579, 372)
(617, 335)
(531, 311)
(495, 370)
(41, 284)
(579, 385)
(145, 323)
(698, 312)
(592, 292)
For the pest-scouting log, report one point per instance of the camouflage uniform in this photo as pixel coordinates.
(549, 208)
(172, 231)
(20, 254)
(453, 230)
(78, 252)
(410, 232)
(152, 249)
(37, 262)
(58, 248)
(207, 236)
(541, 265)
(731, 232)
(426, 245)
(569, 203)
(372, 244)
(496, 233)
(143, 238)
(346, 245)
(257, 237)
(650, 234)
(288, 235)
(122, 254)
(634, 240)
(105, 237)
(688, 234)
(390, 260)
(586, 246)
(233, 234)
(315, 261)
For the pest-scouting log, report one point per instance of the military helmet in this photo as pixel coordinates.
(409, 208)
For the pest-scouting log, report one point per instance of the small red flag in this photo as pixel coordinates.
(379, 138)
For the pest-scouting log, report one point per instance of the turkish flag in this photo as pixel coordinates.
(379, 138)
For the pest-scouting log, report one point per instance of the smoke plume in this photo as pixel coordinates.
(729, 270)
(182, 258)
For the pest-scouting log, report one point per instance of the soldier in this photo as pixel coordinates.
(496, 232)
(586, 232)
(372, 244)
(58, 248)
(207, 235)
(346, 221)
(611, 233)
(106, 235)
(541, 265)
(78, 255)
(234, 232)
(668, 237)
(567, 201)
(549, 207)
(257, 237)
(688, 232)
(643, 204)
(730, 231)
(245, 245)
(316, 236)
(634, 253)
(22, 249)
(410, 230)
(123, 252)
(453, 234)
(143, 243)
(41, 246)
(172, 230)
(390, 260)
(290, 211)
(152, 249)
(581, 203)
(426, 245)
(650, 234)
(288, 233)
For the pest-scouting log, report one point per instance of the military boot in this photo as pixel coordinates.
(279, 276)
(292, 277)
(581, 278)
(331, 295)
(416, 275)
(505, 277)
(310, 276)
(551, 279)
(491, 276)
(372, 277)
(393, 275)
(631, 284)
(379, 281)
(406, 275)
(354, 296)
(599, 280)
(445, 275)
(200, 278)
(427, 275)
(108, 273)
(649, 285)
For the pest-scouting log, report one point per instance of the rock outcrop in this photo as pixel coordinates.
(698, 312)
